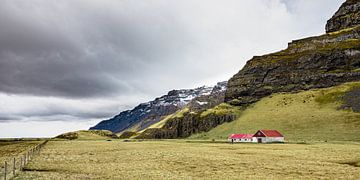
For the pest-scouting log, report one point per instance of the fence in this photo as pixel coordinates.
(17, 164)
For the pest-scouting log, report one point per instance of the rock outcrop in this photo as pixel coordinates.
(314, 62)
(347, 16)
(191, 123)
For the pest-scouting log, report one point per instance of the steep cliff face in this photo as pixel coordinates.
(347, 16)
(146, 114)
(314, 62)
(192, 122)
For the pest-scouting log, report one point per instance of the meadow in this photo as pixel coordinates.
(184, 159)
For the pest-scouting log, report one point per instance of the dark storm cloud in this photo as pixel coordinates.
(75, 49)
(89, 48)
(4, 118)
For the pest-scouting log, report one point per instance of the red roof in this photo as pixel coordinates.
(268, 133)
(241, 136)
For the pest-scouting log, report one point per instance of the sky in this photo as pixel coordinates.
(66, 65)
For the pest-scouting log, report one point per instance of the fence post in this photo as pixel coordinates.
(14, 167)
(21, 162)
(5, 170)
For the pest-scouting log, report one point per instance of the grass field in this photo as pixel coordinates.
(178, 159)
(312, 115)
(10, 149)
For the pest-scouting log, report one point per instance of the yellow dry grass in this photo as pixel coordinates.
(11, 149)
(178, 159)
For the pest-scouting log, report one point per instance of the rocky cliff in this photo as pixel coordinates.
(314, 62)
(192, 122)
(347, 16)
(146, 114)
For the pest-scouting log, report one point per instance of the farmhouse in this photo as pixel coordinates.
(240, 138)
(267, 136)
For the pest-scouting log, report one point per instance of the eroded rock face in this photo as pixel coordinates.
(187, 125)
(347, 16)
(315, 62)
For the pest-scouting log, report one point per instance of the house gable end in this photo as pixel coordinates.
(259, 134)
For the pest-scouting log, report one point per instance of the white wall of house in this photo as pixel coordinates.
(240, 140)
(268, 139)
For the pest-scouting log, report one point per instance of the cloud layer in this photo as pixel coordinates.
(57, 57)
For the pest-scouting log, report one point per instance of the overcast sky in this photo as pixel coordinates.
(66, 65)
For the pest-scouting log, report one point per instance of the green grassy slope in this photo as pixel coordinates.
(312, 115)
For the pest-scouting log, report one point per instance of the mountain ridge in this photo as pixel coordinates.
(148, 113)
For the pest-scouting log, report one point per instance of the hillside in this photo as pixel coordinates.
(316, 62)
(306, 65)
(330, 114)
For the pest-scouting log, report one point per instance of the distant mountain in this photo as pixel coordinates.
(146, 114)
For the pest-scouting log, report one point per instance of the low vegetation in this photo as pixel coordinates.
(315, 115)
(87, 135)
(178, 159)
(222, 109)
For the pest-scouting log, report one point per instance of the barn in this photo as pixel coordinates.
(267, 136)
(240, 138)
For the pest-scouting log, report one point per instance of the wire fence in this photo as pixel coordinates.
(17, 164)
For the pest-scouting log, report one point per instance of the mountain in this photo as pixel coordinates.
(314, 62)
(347, 16)
(149, 113)
(307, 65)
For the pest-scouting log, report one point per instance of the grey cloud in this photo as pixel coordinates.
(82, 49)
(55, 49)
(5, 118)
